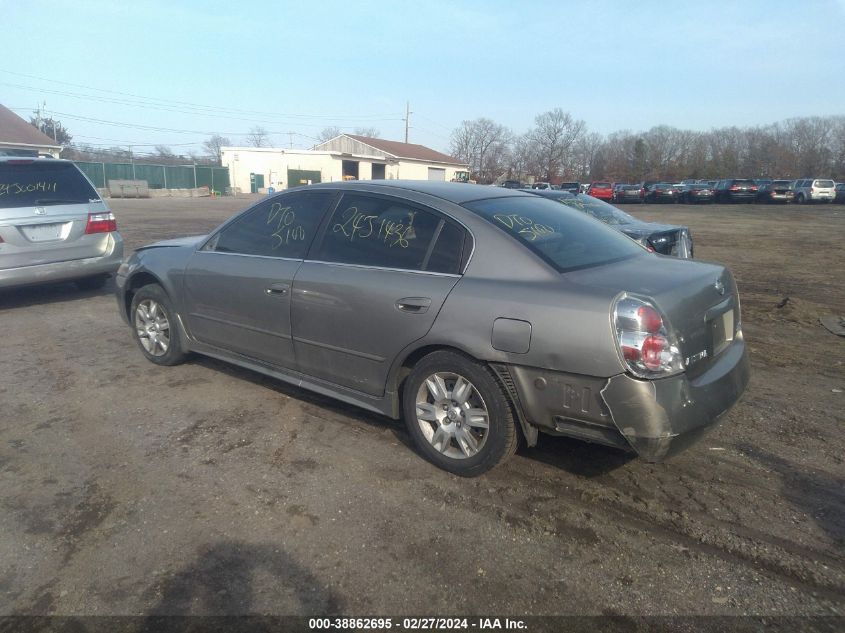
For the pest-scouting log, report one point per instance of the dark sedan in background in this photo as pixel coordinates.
(696, 193)
(736, 190)
(475, 313)
(666, 239)
(776, 191)
(661, 192)
(840, 193)
(628, 193)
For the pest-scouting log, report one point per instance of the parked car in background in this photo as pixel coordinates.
(776, 191)
(661, 192)
(666, 239)
(814, 190)
(840, 193)
(628, 193)
(696, 194)
(541, 185)
(512, 184)
(574, 187)
(54, 226)
(736, 190)
(470, 311)
(762, 181)
(601, 190)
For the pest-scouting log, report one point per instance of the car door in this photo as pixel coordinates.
(238, 285)
(372, 285)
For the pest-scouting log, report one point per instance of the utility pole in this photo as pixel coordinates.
(290, 140)
(408, 114)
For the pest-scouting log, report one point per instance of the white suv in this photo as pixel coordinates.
(53, 225)
(809, 190)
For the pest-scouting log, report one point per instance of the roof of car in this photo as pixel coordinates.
(455, 192)
(32, 159)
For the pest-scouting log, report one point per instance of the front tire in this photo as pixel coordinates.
(154, 326)
(458, 415)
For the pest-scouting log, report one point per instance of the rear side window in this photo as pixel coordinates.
(43, 183)
(382, 232)
(448, 250)
(282, 226)
(564, 237)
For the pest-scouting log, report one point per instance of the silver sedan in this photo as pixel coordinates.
(479, 315)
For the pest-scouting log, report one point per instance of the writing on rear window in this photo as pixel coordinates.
(354, 225)
(16, 188)
(525, 226)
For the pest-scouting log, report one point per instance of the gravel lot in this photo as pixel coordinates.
(128, 488)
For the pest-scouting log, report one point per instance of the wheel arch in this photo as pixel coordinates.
(138, 280)
(527, 431)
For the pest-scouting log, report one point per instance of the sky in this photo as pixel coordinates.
(189, 69)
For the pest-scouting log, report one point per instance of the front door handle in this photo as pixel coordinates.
(414, 305)
(277, 290)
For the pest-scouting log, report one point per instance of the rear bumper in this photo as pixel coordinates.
(659, 418)
(107, 263)
(655, 418)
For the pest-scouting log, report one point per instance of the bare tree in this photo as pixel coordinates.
(214, 146)
(553, 137)
(258, 137)
(369, 132)
(328, 133)
(482, 144)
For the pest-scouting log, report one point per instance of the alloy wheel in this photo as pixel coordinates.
(152, 327)
(452, 415)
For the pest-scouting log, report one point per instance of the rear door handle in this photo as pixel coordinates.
(414, 305)
(277, 290)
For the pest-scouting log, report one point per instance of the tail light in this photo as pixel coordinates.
(734, 188)
(753, 187)
(101, 223)
(645, 339)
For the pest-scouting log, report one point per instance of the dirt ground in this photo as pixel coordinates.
(128, 488)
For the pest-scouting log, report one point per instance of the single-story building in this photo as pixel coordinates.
(345, 157)
(18, 137)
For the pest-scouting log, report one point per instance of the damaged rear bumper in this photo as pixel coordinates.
(655, 418)
(659, 418)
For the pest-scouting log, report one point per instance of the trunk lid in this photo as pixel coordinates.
(698, 299)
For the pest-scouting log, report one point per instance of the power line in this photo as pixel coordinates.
(155, 102)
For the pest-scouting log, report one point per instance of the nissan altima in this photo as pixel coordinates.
(480, 315)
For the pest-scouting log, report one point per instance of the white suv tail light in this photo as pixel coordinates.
(645, 339)
(101, 223)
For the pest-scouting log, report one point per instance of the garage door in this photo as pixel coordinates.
(436, 174)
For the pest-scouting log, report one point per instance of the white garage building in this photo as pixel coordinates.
(345, 157)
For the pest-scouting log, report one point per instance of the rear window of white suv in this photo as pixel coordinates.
(823, 183)
(31, 183)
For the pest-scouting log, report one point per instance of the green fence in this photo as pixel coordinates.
(158, 176)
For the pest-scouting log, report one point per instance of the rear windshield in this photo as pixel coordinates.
(743, 181)
(602, 185)
(42, 183)
(824, 183)
(566, 238)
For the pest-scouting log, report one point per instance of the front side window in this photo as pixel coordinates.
(564, 237)
(282, 226)
(383, 232)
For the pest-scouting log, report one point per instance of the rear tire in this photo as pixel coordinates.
(458, 415)
(154, 326)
